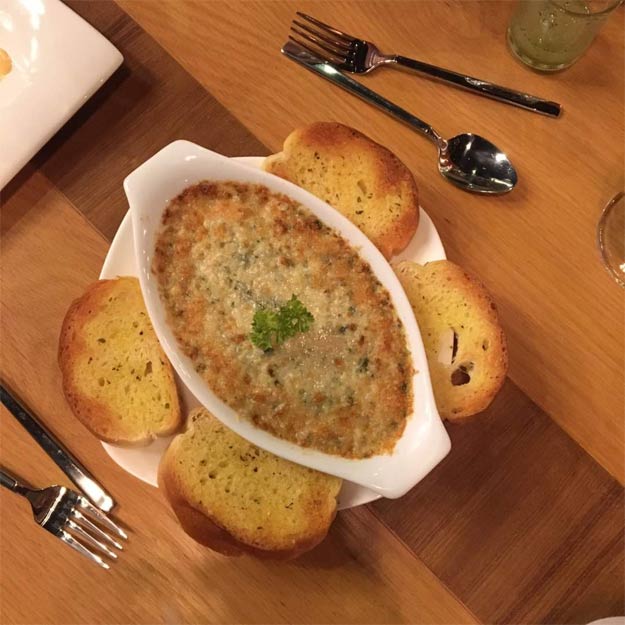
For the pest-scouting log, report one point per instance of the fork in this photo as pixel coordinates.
(361, 57)
(69, 516)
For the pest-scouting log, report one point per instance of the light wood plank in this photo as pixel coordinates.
(535, 249)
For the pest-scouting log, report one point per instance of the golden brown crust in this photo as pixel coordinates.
(395, 239)
(96, 415)
(205, 530)
(386, 176)
(445, 299)
(197, 521)
(292, 392)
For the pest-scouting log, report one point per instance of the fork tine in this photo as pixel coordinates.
(78, 546)
(319, 43)
(319, 55)
(94, 529)
(327, 27)
(100, 517)
(89, 539)
(333, 41)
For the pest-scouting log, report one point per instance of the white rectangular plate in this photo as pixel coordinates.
(58, 62)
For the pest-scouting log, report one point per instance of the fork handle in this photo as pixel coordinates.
(481, 87)
(8, 481)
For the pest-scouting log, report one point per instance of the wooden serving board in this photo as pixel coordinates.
(518, 524)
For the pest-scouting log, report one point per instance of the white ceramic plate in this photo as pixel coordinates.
(58, 62)
(143, 462)
(424, 441)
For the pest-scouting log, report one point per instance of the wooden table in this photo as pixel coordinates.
(523, 522)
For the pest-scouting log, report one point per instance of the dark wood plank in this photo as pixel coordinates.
(149, 102)
(518, 521)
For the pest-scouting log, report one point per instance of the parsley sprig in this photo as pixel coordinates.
(270, 328)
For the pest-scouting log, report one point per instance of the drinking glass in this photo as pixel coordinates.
(549, 35)
(611, 237)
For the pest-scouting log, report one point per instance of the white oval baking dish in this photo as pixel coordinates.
(424, 442)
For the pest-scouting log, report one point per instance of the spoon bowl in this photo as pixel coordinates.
(475, 164)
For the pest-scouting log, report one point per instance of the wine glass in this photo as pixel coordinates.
(611, 237)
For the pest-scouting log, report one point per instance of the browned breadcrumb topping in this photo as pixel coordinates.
(226, 250)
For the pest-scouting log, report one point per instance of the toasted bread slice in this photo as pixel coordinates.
(464, 343)
(116, 378)
(234, 497)
(360, 178)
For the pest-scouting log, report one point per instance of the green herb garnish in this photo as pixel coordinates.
(271, 328)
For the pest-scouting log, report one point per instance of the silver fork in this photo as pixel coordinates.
(360, 57)
(69, 516)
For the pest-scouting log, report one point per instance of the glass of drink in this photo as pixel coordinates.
(611, 237)
(549, 35)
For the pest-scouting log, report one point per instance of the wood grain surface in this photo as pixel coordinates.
(519, 524)
(163, 576)
(535, 248)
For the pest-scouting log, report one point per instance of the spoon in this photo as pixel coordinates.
(467, 160)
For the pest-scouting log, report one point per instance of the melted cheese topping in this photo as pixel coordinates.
(227, 249)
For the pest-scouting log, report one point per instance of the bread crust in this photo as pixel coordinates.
(90, 412)
(206, 529)
(458, 402)
(389, 175)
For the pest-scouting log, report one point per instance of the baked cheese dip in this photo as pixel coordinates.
(343, 384)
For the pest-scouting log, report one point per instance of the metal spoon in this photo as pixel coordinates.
(467, 160)
(475, 164)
